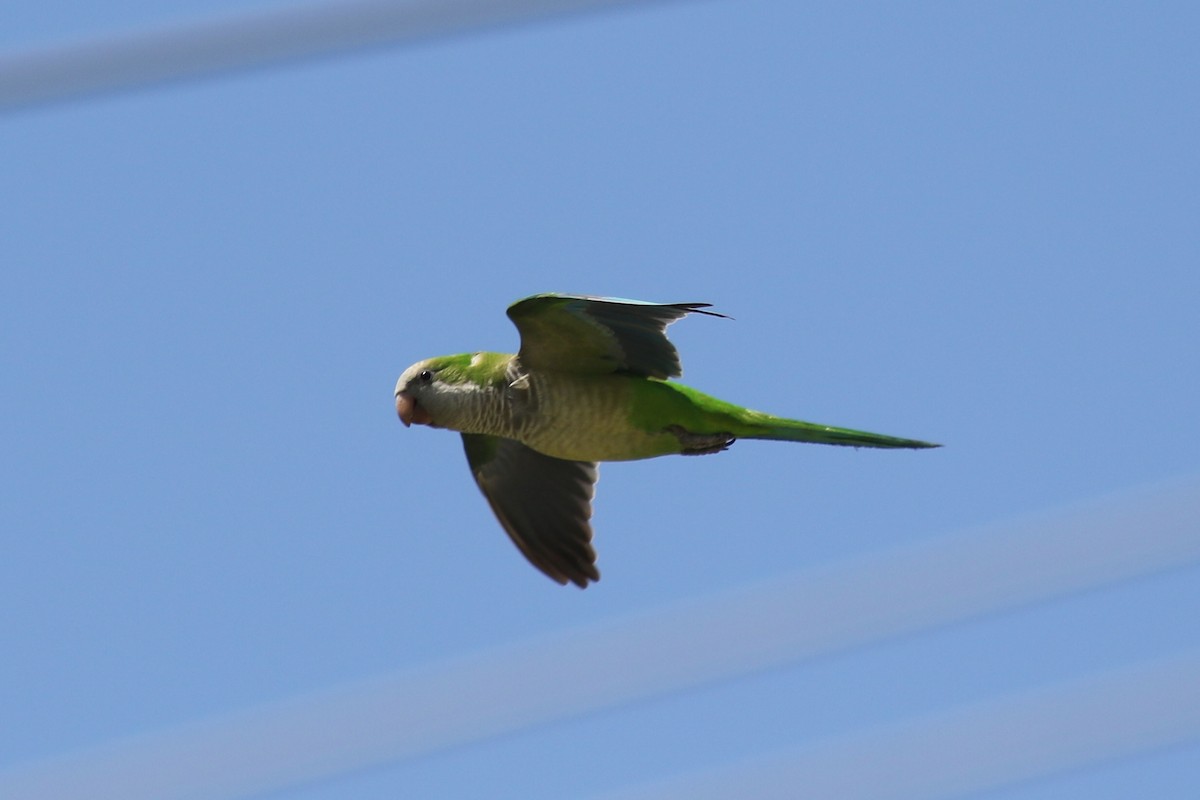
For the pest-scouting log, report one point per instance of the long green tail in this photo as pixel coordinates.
(765, 426)
(703, 414)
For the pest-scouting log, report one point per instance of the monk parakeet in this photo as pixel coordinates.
(589, 384)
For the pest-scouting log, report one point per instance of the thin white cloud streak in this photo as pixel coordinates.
(255, 39)
(968, 749)
(807, 615)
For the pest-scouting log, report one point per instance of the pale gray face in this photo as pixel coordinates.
(434, 392)
(416, 392)
(411, 379)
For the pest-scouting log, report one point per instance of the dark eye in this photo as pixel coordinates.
(426, 376)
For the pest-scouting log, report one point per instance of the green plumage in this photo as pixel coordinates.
(588, 385)
(656, 401)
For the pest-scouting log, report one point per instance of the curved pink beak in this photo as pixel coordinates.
(411, 412)
(406, 407)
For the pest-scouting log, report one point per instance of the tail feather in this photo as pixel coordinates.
(792, 430)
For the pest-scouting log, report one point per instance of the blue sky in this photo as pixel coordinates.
(970, 223)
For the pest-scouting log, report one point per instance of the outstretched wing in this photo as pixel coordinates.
(572, 333)
(544, 504)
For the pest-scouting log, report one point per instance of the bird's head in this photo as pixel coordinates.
(434, 391)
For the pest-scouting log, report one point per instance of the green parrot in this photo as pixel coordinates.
(589, 384)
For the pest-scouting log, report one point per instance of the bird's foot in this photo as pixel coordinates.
(700, 444)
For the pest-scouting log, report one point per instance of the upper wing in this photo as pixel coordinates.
(544, 504)
(572, 333)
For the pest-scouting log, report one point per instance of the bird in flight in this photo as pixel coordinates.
(589, 384)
